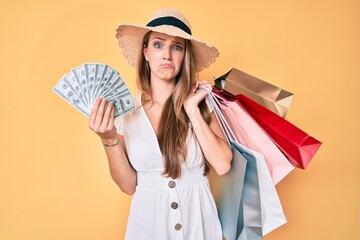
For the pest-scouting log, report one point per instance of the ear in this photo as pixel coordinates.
(145, 53)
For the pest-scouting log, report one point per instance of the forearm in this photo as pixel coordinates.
(216, 150)
(101, 121)
(120, 169)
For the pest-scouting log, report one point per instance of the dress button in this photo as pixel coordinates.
(178, 226)
(174, 205)
(171, 184)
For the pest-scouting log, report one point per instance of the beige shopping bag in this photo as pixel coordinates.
(270, 96)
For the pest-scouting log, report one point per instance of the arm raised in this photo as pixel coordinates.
(211, 138)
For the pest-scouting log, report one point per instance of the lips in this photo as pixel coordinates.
(166, 65)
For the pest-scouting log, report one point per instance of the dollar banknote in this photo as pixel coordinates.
(90, 81)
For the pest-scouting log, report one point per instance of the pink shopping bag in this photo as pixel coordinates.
(251, 135)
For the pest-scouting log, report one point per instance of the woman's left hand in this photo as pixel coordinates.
(196, 95)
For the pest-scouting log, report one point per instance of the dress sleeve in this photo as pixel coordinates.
(119, 124)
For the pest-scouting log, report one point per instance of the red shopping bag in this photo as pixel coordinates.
(297, 145)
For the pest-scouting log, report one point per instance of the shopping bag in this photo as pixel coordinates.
(232, 182)
(260, 208)
(268, 95)
(231, 191)
(249, 207)
(250, 134)
(297, 145)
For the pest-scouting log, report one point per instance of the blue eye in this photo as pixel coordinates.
(157, 45)
(178, 47)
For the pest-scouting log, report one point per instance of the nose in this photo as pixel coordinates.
(167, 53)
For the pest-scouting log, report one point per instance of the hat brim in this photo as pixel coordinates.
(130, 39)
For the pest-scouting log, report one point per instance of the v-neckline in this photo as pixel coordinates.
(152, 130)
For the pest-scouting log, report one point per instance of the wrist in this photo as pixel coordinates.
(109, 141)
(192, 111)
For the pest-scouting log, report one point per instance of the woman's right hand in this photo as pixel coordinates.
(102, 121)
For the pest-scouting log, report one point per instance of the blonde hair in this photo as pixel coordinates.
(174, 120)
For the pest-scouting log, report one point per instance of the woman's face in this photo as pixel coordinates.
(165, 55)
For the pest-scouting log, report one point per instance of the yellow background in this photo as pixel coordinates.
(54, 179)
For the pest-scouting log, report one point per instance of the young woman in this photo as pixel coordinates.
(161, 152)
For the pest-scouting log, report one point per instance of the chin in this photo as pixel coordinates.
(172, 78)
(167, 76)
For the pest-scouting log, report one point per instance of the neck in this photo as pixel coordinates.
(161, 90)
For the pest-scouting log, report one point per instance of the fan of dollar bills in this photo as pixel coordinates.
(85, 83)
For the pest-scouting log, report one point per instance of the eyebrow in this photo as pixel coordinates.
(163, 39)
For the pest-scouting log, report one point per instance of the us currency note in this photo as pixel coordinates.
(79, 73)
(98, 77)
(111, 96)
(70, 80)
(65, 92)
(123, 104)
(115, 84)
(114, 77)
(106, 73)
(90, 73)
(112, 69)
(85, 83)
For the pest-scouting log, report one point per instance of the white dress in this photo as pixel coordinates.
(165, 208)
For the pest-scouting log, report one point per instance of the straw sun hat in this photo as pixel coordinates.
(170, 22)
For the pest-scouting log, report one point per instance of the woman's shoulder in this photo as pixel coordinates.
(137, 100)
